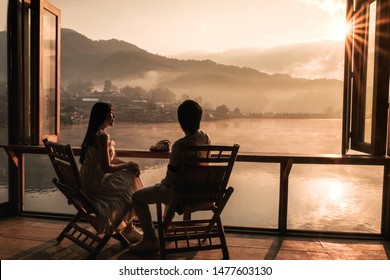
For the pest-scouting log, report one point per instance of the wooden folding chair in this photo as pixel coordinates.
(204, 172)
(69, 183)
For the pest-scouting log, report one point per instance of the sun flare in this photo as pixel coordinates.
(339, 30)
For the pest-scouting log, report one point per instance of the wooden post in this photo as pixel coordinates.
(285, 168)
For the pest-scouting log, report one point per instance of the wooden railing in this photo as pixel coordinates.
(286, 162)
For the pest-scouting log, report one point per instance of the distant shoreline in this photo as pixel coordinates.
(3, 126)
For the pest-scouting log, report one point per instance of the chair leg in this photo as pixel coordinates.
(221, 230)
(222, 238)
(69, 226)
(121, 238)
(118, 234)
(161, 236)
(99, 247)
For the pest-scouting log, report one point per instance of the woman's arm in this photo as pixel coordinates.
(130, 165)
(108, 165)
(116, 160)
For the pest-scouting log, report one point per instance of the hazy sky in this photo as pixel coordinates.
(169, 27)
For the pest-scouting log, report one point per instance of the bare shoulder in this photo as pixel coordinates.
(102, 137)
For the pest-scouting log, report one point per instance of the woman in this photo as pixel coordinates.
(108, 181)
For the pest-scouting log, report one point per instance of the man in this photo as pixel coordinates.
(189, 114)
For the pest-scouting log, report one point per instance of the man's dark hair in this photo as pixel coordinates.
(189, 115)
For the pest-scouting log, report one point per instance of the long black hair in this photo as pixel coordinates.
(99, 112)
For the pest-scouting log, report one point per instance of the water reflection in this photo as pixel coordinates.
(335, 198)
(321, 197)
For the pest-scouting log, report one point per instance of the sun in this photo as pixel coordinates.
(339, 30)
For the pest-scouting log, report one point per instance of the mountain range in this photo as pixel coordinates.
(312, 60)
(234, 86)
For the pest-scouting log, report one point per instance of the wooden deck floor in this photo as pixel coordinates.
(34, 239)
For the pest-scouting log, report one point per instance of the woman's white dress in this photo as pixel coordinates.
(111, 193)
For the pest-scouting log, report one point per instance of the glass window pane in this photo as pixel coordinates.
(49, 74)
(41, 195)
(370, 73)
(255, 200)
(3, 103)
(3, 176)
(3, 89)
(3, 75)
(335, 198)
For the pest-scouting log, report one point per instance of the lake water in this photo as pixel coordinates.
(321, 197)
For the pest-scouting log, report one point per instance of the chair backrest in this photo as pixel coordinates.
(204, 172)
(68, 176)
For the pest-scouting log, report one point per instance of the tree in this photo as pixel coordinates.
(162, 95)
(134, 92)
(236, 113)
(107, 86)
(221, 111)
(184, 97)
(199, 99)
(79, 87)
(207, 105)
(114, 88)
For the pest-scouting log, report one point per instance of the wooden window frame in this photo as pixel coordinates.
(37, 71)
(25, 72)
(355, 79)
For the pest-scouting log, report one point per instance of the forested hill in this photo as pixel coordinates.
(126, 64)
(114, 59)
